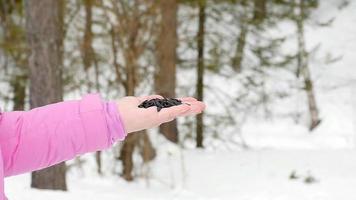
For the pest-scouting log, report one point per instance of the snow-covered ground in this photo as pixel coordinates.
(246, 175)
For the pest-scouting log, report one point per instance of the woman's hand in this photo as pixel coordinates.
(136, 119)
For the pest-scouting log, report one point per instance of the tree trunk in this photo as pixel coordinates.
(147, 151)
(200, 70)
(165, 77)
(19, 89)
(304, 70)
(240, 48)
(89, 58)
(127, 40)
(44, 21)
(126, 153)
(133, 139)
(260, 11)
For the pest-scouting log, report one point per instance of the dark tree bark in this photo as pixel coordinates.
(87, 48)
(44, 20)
(260, 11)
(18, 84)
(165, 77)
(131, 55)
(132, 139)
(246, 23)
(200, 70)
(240, 47)
(13, 46)
(127, 40)
(126, 155)
(89, 58)
(303, 69)
(148, 153)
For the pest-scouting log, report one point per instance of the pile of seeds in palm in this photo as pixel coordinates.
(160, 103)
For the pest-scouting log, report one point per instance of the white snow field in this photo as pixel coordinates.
(246, 175)
(279, 147)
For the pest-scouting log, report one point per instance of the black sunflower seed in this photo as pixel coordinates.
(160, 103)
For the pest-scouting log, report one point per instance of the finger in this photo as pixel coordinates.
(186, 99)
(155, 96)
(195, 108)
(168, 114)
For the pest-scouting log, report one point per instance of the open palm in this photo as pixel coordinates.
(135, 118)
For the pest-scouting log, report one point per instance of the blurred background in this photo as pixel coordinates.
(278, 78)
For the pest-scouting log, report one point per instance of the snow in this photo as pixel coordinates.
(335, 87)
(219, 175)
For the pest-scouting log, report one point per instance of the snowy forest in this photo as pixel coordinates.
(278, 78)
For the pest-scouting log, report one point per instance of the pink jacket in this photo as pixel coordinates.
(54, 133)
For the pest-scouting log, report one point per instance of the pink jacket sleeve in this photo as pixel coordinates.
(54, 133)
